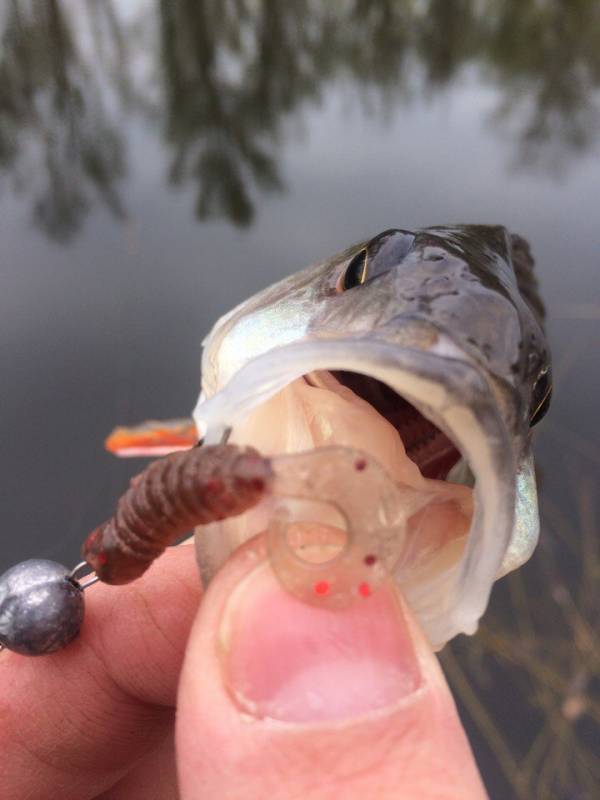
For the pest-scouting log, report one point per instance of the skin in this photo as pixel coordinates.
(98, 720)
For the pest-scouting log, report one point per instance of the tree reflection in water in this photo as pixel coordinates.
(231, 73)
(55, 139)
(226, 89)
(546, 60)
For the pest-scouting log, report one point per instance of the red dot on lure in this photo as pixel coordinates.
(364, 589)
(321, 587)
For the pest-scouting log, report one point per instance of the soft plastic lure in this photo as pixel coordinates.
(172, 496)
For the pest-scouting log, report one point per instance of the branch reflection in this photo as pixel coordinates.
(56, 141)
(223, 78)
(546, 60)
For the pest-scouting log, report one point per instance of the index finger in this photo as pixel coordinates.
(72, 723)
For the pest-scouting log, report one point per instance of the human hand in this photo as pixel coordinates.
(274, 698)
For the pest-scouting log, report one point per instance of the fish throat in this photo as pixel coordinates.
(430, 449)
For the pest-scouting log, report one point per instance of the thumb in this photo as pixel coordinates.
(280, 699)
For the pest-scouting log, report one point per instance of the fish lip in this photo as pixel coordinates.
(459, 401)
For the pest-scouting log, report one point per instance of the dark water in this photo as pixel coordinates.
(161, 161)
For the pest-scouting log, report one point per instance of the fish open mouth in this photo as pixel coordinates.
(344, 409)
(423, 419)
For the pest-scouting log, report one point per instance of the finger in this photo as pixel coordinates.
(73, 723)
(152, 778)
(279, 699)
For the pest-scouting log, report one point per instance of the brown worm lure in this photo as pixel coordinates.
(171, 496)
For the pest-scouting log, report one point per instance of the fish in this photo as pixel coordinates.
(425, 349)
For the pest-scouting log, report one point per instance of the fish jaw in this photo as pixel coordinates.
(526, 529)
(458, 280)
(448, 389)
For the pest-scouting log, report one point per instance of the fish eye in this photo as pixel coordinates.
(380, 255)
(540, 401)
(356, 271)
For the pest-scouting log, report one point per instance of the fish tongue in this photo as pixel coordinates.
(304, 417)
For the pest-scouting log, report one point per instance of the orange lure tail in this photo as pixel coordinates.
(152, 438)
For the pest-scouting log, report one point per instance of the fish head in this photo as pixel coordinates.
(437, 331)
